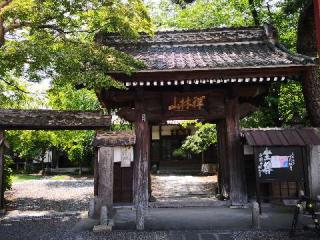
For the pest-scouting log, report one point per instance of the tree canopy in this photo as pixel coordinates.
(55, 39)
(204, 137)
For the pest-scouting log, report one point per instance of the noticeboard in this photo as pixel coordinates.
(279, 164)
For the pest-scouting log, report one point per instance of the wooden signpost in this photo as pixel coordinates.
(278, 164)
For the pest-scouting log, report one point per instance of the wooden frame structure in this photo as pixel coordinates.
(11, 119)
(214, 75)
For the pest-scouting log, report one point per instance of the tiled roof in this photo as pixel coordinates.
(53, 119)
(281, 136)
(207, 49)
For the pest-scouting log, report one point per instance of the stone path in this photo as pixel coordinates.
(176, 187)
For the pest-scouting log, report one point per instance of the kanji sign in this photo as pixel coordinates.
(183, 103)
(269, 162)
(279, 163)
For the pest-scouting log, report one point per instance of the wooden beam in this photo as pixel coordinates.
(130, 115)
(141, 164)
(223, 73)
(114, 139)
(316, 4)
(2, 170)
(105, 189)
(238, 193)
(12, 119)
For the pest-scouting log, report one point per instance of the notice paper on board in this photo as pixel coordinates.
(280, 161)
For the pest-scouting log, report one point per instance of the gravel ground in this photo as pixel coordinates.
(60, 196)
(62, 228)
(49, 210)
(74, 195)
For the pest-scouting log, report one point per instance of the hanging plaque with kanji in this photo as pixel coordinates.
(186, 103)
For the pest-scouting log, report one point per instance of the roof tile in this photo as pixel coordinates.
(210, 48)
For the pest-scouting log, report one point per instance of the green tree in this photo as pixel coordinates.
(56, 40)
(204, 137)
(7, 172)
(30, 145)
(77, 144)
(202, 14)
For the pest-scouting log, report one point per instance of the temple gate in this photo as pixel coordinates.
(215, 75)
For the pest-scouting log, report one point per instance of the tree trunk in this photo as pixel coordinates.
(306, 44)
(311, 91)
(2, 32)
(254, 12)
(2, 177)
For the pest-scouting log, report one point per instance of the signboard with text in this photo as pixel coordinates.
(279, 163)
(185, 104)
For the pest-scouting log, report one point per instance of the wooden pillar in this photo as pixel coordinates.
(2, 170)
(223, 174)
(141, 164)
(238, 193)
(105, 187)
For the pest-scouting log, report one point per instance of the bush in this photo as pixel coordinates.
(179, 154)
(7, 172)
(29, 168)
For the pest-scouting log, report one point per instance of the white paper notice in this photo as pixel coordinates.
(126, 156)
(279, 161)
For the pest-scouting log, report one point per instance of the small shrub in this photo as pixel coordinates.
(179, 154)
(7, 172)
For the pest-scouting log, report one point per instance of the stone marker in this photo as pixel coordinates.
(105, 225)
(256, 224)
(91, 211)
(104, 216)
(102, 228)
